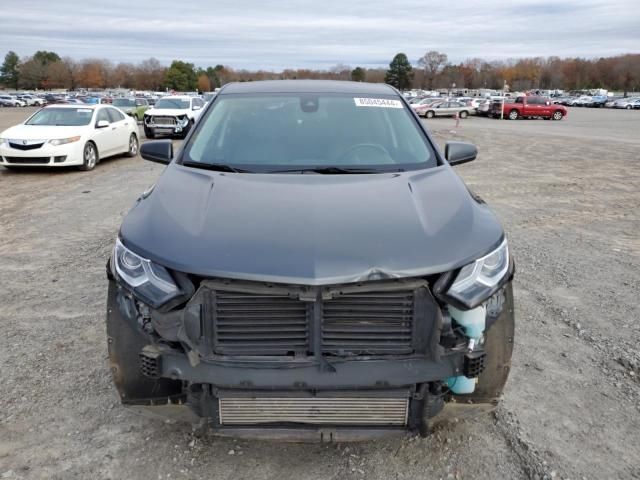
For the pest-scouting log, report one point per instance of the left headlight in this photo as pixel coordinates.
(63, 141)
(149, 281)
(3, 142)
(477, 281)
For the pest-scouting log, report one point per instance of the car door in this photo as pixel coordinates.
(546, 107)
(196, 107)
(141, 106)
(439, 109)
(104, 137)
(119, 129)
(533, 108)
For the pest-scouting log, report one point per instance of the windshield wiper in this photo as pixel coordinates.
(217, 167)
(330, 170)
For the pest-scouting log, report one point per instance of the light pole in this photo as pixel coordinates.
(504, 87)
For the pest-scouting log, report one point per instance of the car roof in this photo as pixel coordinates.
(308, 86)
(74, 105)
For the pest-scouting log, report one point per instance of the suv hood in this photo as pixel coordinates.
(310, 229)
(167, 111)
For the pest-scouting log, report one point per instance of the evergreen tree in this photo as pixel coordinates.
(400, 72)
(9, 73)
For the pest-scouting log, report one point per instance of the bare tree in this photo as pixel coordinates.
(432, 63)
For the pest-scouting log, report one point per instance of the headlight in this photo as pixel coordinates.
(3, 142)
(63, 141)
(477, 281)
(149, 281)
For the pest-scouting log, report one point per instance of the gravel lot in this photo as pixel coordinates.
(568, 194)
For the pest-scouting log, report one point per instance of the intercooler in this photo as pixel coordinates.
(314, 410)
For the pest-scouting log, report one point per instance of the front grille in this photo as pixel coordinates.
(255, 319)
(254, 324)
(20, 146)
(314, 410)
(28, 160)
(368, 323)
(160, 120)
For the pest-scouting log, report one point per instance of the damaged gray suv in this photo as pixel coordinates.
(309, 266)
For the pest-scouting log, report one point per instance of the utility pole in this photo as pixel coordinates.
(504, 87)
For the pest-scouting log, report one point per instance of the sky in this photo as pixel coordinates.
(278, 34)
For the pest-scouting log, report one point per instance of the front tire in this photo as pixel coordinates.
(429, 114)
(90, 157)
(513, 115)
(133, 146)
(557, 115)
(464, 114)
(628, 107)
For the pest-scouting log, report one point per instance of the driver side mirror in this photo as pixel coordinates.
(159, 151)
(102, 124)
(458, 153)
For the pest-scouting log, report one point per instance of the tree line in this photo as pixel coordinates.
(47, 70)
(434, 71)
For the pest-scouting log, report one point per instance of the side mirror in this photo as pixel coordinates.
(159, 151)
(196, 107)
(457, 153)
(102, 124)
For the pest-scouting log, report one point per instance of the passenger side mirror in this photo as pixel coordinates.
(159, 151)
(102, 124)
(457, 153)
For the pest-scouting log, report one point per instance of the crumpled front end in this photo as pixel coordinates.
(166, 124)
(336, 362)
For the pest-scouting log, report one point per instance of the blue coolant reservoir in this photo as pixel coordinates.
(473, 322)
(461, 385)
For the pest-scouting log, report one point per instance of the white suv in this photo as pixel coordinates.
(12, 101)
(173, 115)
(32, 100)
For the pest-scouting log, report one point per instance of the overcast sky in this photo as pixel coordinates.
(276, 34)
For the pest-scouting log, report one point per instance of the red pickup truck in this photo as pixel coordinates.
(528, 107)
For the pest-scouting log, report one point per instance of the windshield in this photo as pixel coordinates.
(287, 132)
(172, 103)
(123, 102)
(68, 117)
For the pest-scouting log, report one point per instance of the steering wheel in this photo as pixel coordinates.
(372, 147)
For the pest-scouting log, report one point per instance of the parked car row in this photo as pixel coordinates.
(524, 106)
(599, 101)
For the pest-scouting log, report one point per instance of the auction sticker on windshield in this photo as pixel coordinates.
(377, 102)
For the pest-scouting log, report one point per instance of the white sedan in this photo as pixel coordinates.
(63, 135)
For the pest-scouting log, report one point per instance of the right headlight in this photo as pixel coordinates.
(151, 282)
(477, 281)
